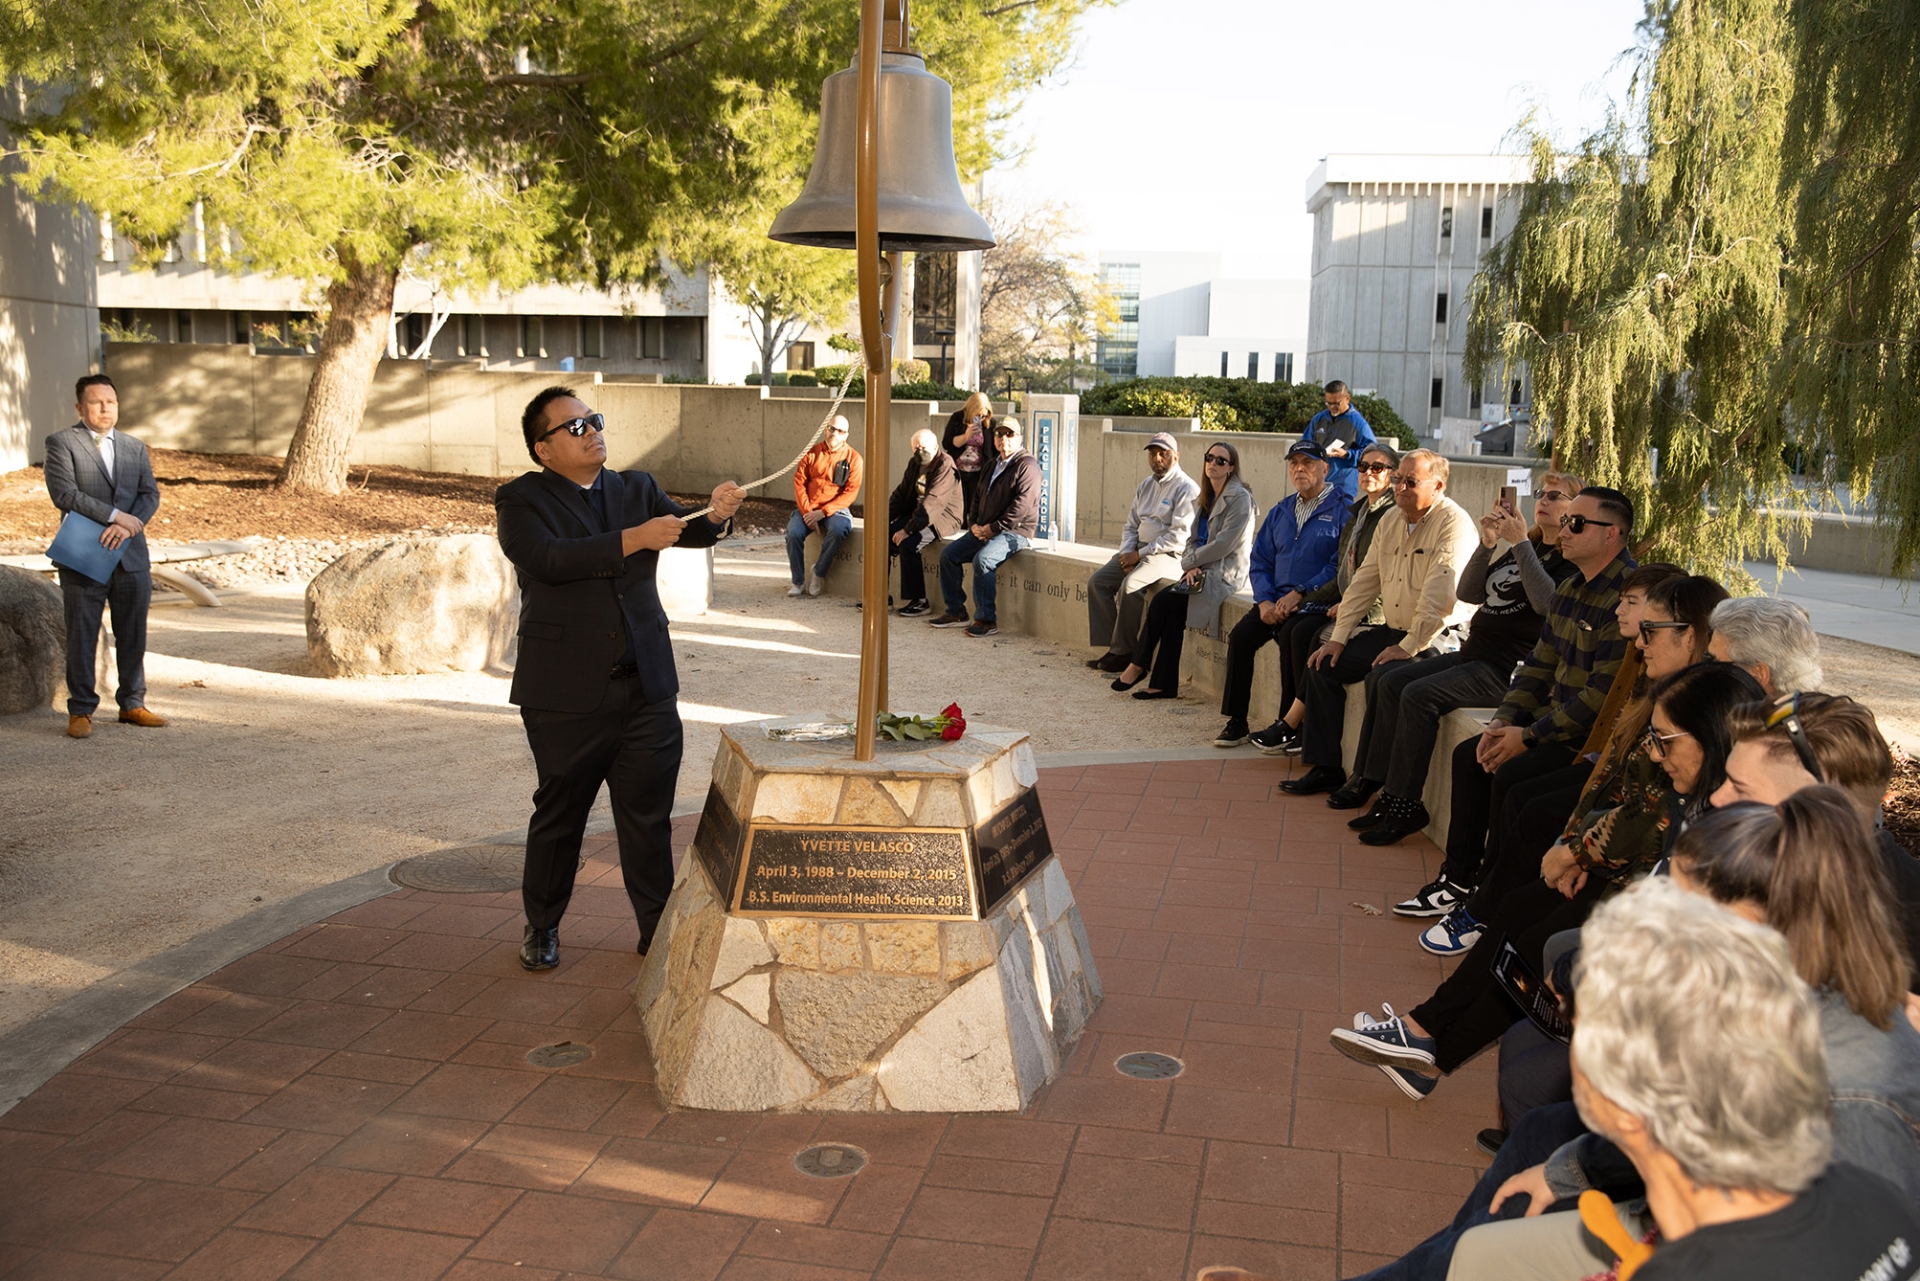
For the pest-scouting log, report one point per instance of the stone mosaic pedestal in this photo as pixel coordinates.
(887, 935)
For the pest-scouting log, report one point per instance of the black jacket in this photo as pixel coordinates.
(1010, 504)
(941, 506)
(575, 585)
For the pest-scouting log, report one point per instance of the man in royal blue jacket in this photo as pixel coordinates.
(1293, 554)
(1343, 435)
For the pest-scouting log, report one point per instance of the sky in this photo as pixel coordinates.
(1194, 124)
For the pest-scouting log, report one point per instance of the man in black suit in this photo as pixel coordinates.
(595, 681)
(106, 476)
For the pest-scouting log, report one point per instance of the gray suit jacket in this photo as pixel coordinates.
(78, 483)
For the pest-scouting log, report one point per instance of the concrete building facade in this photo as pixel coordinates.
(1396, 243)
(1180, 316)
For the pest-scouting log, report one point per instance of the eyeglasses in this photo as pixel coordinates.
(836, 431)
(1656, 742)
(1005, 431)
(1408, 482)
(1786, 711)
(576, 427)
(1554, 496)
(1578, 524)
(1374, 469)
(1647, 628)
(1219, 460)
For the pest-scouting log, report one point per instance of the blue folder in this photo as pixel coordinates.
(77, 547)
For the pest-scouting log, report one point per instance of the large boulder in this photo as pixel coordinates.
(33, 640)
(414, 605)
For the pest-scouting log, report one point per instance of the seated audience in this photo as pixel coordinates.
(1156, 531)
(1664, 780)
(923, 508)
(1301, 631)
(1623, 767)
(824, 485)
(1213, 566)
(1294, 555)
(1003, 519)
(1406, 705)
(1412, 572)
(1552, 702)
(1772, 639)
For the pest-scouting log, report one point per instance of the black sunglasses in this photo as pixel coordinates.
(1220, 459)
(1786, 711)
(1553, 495)
(576, 426)
(1375, 468)
(1005, 431)
(1578, 524)
(1648, 628)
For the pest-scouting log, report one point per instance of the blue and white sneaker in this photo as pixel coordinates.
(1452, 934)
(1383, 1042)
(1411, 1083)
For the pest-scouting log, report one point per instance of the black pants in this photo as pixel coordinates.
(1478, 798)
(127, 594)
(1468, 1011)
(913, 570)
(1162, 638)
(1243, 645)
(1404, 707)
(634, 748)
(1530, 821)
(1298, 637)
(969, 484)
(1325, 690)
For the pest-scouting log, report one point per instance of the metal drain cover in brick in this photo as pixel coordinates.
(829, 1160)
(468, 869)
(1148, 1066)
(565, 1054)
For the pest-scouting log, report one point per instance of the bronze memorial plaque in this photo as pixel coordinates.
(920, 873)
(1010, 845)
(717, 842)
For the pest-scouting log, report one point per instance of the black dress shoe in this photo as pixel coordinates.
(1354, 794)
(1382, 805)
(1490, 1141)
(1321, 778)
(646, 941)
(1402, 821)
(540, 949)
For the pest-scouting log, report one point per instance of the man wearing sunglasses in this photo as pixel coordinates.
(824, 486)
(1004, 518)
(1151, 540)
(595, 681)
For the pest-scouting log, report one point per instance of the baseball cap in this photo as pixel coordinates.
(1162, 440)
(1309, 447)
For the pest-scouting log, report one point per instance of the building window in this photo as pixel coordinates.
(1118, 350)
(1253, 366)
(1223, 364)
(1515, 398)
(1439, 389)
(592, 337)
(183, 326)
(242, 326)
(1486, 222)
(653, 337)
(533, 337)
(1283, 366)
(800, 356)
(1473, 398)
(1439, 309)
(416, 332)
(473, 335)
(1446, 221)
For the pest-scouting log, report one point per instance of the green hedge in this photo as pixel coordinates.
(1236, 404)
(910, 382)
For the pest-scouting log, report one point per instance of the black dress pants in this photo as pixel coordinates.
(913, 570)
(1243, 646)
(1532, 818)
(127, 594)
(634, 748)
(1325, 690)
(1298, 637)
(1479, 798)
(1163, 637)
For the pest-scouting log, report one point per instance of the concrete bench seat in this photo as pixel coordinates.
(1043, 594)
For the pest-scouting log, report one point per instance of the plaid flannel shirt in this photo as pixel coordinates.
(1558, 689)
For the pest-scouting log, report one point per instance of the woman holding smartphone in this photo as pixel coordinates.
(969, 428)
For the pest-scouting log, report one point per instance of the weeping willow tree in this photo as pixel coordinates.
(1852, 160)
(1642, 285)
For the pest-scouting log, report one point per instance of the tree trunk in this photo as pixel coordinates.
(359, 316)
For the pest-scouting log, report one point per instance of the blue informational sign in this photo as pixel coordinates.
(1053, 434)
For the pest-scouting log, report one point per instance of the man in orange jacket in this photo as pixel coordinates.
(824, 485)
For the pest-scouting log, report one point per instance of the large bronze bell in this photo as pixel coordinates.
(921, 205)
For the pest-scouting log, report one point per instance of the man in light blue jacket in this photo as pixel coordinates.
(1293, 554)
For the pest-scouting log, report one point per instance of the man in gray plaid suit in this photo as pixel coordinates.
(106, 476)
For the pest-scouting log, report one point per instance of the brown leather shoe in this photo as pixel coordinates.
(142, 717)
(79, 727)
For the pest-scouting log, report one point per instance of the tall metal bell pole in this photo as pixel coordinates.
(877, 276)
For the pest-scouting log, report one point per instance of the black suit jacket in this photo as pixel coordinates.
(941, 506)
(1010, 504)
(575, 586)
(78, 483)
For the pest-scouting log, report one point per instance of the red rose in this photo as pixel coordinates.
(951, 709)
(954, 731)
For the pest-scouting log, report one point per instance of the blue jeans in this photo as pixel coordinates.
(986, 555)
(833, 531)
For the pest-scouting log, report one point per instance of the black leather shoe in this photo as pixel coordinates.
(1381, 809)
(1321, 778)
(1405, 820)
(1354, 794)
(646, 942)
(539, 949)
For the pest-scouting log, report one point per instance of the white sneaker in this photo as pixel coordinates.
(796, 590)
(814, 584)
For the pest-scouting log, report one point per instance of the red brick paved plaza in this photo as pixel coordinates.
(355, 1101)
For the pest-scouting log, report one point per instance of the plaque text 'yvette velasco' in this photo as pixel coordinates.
(851, 871)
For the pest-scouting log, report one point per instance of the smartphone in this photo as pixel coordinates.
(1510, 498)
